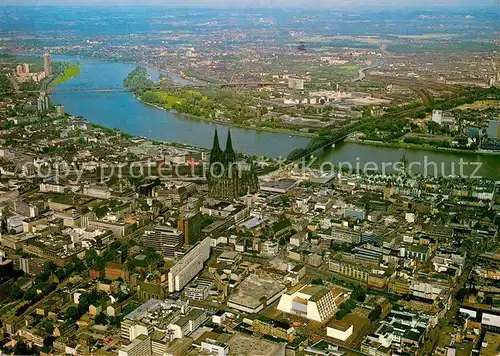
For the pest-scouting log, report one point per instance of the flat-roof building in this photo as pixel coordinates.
(198, 289)
(313, 302)
(339, 329)
(140, 346)
(189, 266)
(165, 240)
(255, 293)
(280, 186)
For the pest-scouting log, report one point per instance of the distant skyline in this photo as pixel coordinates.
(343, 4)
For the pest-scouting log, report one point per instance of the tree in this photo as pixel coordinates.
(76, 265)
(375, 313)
(72, 313)
(285, 199)
(60, 274)
(48, 327)
(21, 349)
(359, 294)
(42, 277)
(101, 319)
(341, 314)
(138, 80)
(48, 341)
(317, 281)
(31, 294)
(90, 258)
(115, 321)
(128, 309)
(433, 127)
(115, 245)
(345, 308)
(16, 292)
(3, 228)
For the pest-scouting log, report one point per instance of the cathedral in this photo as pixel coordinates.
(227, 178)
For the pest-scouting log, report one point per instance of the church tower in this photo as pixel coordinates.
(226, 179)
(229, 153)
(216, 153)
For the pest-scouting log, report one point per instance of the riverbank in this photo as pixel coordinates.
(412, 146)
(245, 127)
(69, 72)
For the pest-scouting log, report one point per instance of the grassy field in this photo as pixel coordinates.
(428, 36)
(69, 72)
(167, 100)
(480, 105)
(441, 46)
(334, 73)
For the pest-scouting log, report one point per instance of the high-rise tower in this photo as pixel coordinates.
(47, 64)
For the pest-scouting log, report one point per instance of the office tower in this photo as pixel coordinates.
(43, 102)
(47, 64)
(190, 225)
(60, 110)
(493, 129)
(165, 240)
(26, 68)
(295, 83)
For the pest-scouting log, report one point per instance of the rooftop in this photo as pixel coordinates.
(341, 325)
(243, 345)
(251, 291)
(283, 184)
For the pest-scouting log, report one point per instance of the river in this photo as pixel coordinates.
(122, 111)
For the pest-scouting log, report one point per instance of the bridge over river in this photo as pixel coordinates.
(117, 89)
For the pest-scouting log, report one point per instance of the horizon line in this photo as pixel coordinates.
(422, 5)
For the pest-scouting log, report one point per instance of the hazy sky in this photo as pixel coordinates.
(418, 4)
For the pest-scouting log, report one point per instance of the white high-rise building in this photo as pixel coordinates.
(189, 266)
(43, 102)
(60, 110)
(437, 116)
(295, 83)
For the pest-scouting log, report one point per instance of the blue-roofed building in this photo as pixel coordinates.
(371, 238)
(473, 131)
(252, 223)
(355, 213)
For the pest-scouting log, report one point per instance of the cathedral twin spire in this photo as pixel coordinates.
(226, 179)
(217, 155)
